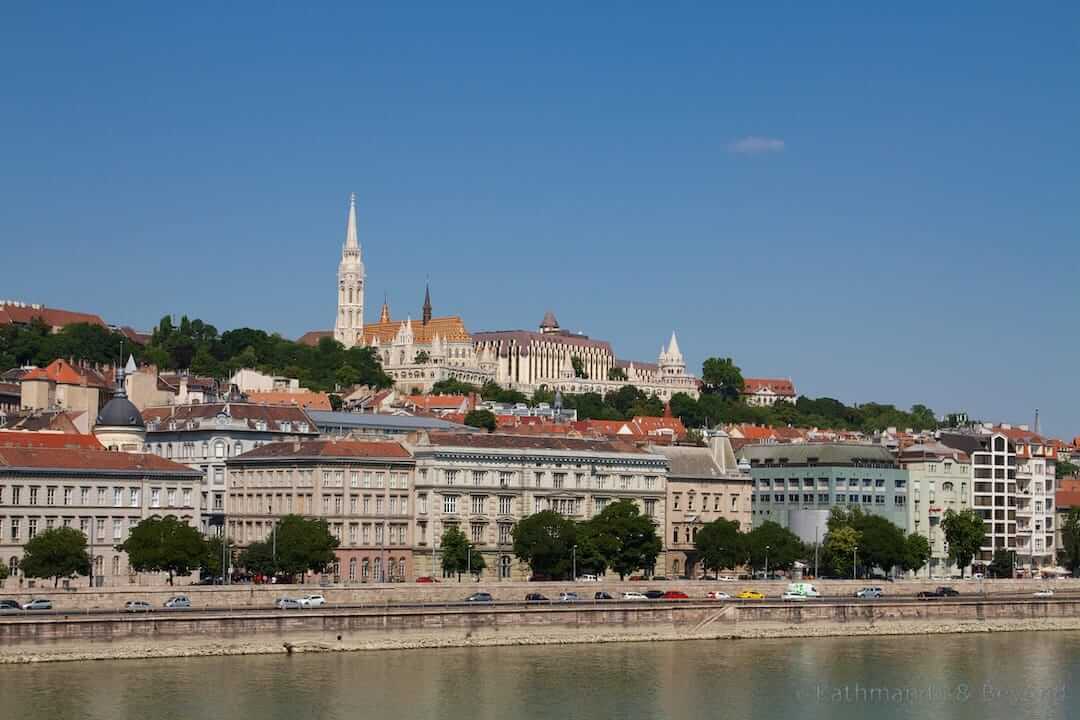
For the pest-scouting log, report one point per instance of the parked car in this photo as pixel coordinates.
(751, 595)
(795, 596)
(138, 606)
(675, 595)
(717, 595)
(633, 595)
(177, 602)
(286, 603)
(312, 601)
(728, 578)
(38, 604)
(602, 596)
(480, 597)
(868, 593)
(587, 578)
(660, 578)
(539, 577)
(536, 597)
(426, 579)
(942, 592)
(1044, 593)
(9, 605)
(568, 597)
(636, 578)
(654, 594)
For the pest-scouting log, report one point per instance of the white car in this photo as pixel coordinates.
(717, 595)
(588, 578)
(286, 603)
(312, 601)
(633, 595)
(1047, 592)
(793, 596)
(728, 578)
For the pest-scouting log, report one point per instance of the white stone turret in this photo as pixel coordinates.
(671, 359)
(349, 324)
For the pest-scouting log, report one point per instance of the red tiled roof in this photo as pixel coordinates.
(326, 449)
(780, 386)
(440, 402)
(310, 400)
(64, 373)
(49, 440)
(10, 389)
(658, 425)
(53, 317)
(77, 459)
(312, 337)
(503, 441)
(273, 415)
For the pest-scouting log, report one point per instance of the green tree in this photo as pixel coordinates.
(453, 386)
(617, 374)
(481, 419)
(1001, 565)
(544, 541)
(719, 544)
(964, 531)
(882, 543)
(916, 552)
(214, 561)
(3, 573)
(459, 555)
(164, 544)
(1070, 540)
(722, 377)
(304, 546)
(631, 537)
(839, 548)
(258, 558)
(346, 376)
(780, 545)
(1065, 468)
(579, 367)
(57, 553)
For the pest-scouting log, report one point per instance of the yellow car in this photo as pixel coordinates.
(750, 595)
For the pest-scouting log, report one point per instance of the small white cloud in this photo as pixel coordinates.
(755, 145)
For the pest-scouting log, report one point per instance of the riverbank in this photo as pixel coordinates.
(281, 633)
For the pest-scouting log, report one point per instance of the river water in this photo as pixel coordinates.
(1005, 675)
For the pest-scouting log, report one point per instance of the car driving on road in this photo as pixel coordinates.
(286, 603)
(717, 595)
(751, 595)
(480, 597)
(38, 604)
(312, 601)
(868, 593)
(942, 592)
(137, 606)
(177, 602)
(633, 595)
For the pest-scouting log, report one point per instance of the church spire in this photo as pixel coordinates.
(352, 241)
(427, 303)
(384, 315)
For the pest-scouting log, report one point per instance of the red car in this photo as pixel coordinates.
(426, 579)
(674, 595)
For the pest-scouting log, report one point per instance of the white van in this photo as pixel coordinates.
(806, 590)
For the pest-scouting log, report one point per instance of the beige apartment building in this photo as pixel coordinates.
(50, 480)
(360, 488)
(703, 484)
(940, 479)
(485, 483)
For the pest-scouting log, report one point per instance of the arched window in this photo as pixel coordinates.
(504, 566)
(219, 449)
(13, 565)
(116, 565)
(238, 448)
(352, 569)
(378, 569)
(675, 567)
(401, 569)
(946, 487)
(168, 450)
(365, 570)
(99, 565)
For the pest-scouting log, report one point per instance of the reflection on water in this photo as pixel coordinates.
(1008, 675)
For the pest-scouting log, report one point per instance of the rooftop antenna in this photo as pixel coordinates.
(1036, 421)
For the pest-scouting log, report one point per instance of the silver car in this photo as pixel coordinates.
(287, 604)
(137, 606)
(178, 601)
(39, 604)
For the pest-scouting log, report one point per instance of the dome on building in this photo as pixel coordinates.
(120, 412)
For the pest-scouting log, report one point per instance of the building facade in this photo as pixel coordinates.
(361, 488)
(940, 479)
(797, 486)
(51, 480)
(205, 436)
(484, 484)
(766, 392)
(703, 484)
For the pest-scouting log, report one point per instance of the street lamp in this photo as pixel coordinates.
(767, 548)
(273, 534)
(854, 561)
(573, 555)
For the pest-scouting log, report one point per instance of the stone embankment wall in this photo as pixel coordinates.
(75, 636)
(255, 596)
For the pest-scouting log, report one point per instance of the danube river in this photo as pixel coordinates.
(1005, 675)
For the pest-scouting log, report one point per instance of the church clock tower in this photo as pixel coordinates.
(349, 325)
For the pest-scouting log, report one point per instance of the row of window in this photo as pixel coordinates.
(117, 527)
(304, 503)
(691, 502)
(478, 505)
(827, 499)
(796, 483)
(356, 533)
(121, 497)
(544, 479)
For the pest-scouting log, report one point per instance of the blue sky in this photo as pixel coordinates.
(882, 204)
